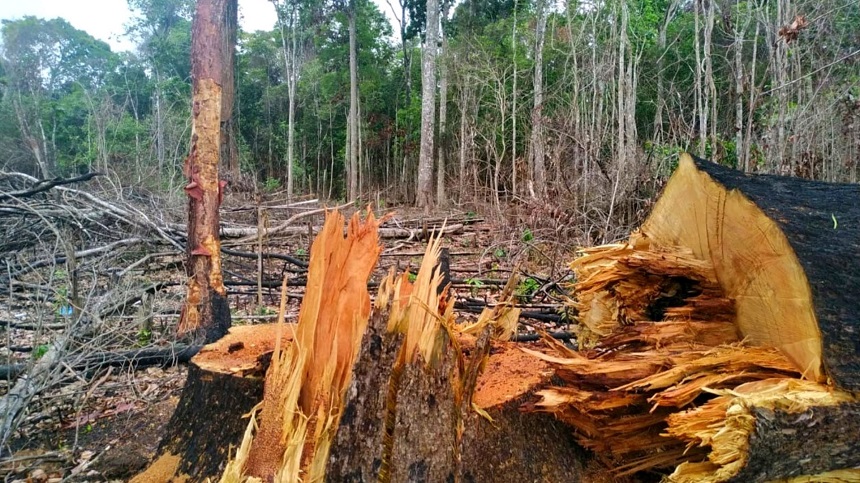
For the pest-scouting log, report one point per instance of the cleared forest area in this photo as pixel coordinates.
(541, 277)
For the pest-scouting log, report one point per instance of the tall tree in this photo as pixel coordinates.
(428, 106)
(353, 104)
(206, 315)
(537, 138)
(288, 24)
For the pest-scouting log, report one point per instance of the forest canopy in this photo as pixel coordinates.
(585, 99)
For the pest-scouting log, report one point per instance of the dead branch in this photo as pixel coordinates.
(40, 186)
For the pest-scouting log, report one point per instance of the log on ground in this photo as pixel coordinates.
(725, 325)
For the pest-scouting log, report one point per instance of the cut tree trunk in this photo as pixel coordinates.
(225, 382)
(721, 338)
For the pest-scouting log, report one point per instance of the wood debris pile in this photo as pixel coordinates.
(657, 337)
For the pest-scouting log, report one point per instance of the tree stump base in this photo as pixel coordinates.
(225, 382)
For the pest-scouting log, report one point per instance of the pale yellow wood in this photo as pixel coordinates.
(754, 262)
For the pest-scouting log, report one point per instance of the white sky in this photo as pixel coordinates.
(105, 19)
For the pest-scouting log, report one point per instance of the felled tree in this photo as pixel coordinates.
(736, 286)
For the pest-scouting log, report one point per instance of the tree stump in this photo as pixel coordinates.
(225, 382)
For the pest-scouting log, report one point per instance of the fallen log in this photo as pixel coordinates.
(133, 359)
(720, 340)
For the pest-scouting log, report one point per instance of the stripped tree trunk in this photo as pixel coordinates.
(206, 315)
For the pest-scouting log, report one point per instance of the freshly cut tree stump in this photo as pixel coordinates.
(723, 337)
(225, 382)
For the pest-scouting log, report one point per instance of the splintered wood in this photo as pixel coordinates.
(656, 336)
(306, 383)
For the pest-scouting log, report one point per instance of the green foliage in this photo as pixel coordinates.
(411, 277)
(474, 285)
(527, 288)
(144, 336)
(527, 235)
(500, 253)
(272, 184)
(40, 350)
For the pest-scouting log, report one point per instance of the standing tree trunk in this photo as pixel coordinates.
(537, 141)
(229, 149)
(206, 315)
(288, 18)
(428, 106)
(353, 106)
(443, 115)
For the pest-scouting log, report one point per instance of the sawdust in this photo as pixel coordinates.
(509, 375)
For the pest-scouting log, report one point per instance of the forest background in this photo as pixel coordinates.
(585, 103)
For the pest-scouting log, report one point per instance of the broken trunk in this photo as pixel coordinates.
(736, 286)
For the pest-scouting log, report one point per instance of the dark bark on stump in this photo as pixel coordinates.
(206, 425)
(515, 447)
(822, 224)
(811, 442)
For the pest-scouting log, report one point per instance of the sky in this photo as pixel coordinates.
(105, 19)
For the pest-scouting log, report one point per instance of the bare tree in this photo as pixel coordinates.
(353, 105)
(288, 19)
(428, 106)
(538, 147)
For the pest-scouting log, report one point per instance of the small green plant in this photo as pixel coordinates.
(528, 235)
(301, 252)
(500, 253)
(411, 277)
(264, 310)
(474, 284)
(272, 184)
(40, 351)
(144, 336)
(470, 215)
(527, 288)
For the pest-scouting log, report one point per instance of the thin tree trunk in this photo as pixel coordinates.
(514, 103)
(751, 102)
(353, 105)
(287, 21)
(711, 97)
(229, 149)
(206, 315)
(428, 107)
(700, 127)
(537, 141)
(740, 30)
(443, 117)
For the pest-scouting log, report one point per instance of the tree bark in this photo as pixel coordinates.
(537, 139)
(428, 107)
(205, 315)
(443, 117)
(353, 105)
(229, 148)
(225, 381)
